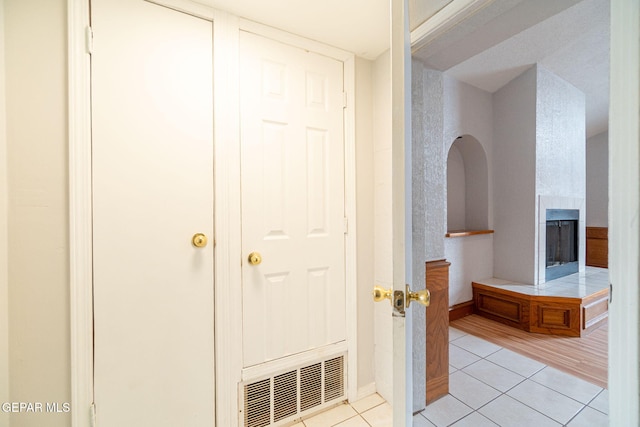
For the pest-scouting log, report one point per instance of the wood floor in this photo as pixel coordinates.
(584, 357)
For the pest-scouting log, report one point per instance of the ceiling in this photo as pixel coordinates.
(569, 38)
(487, 50)
(358, 26)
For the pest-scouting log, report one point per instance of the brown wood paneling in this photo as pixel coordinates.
(584, 357)
(502, 306)
(554, 315)
(597, 247)
(437, 328)
(597, 233)
(556, 318)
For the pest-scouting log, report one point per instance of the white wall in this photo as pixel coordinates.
(4, 296)
(469, 111)
(456, 190)
(598, 180)
(514, 112)
(365, 206)
(36, 105)
(471, 260)
(383, 257)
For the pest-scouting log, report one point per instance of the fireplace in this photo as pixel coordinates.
(562, 243)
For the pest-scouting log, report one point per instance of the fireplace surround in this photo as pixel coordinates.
(563, 204)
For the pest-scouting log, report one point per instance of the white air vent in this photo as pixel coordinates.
(289, 395)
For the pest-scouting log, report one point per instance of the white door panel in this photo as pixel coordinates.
(292, 199)
(153, 190)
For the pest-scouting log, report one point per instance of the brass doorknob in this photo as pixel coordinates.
(423, 297)
(255, 258)
(199, 240)
(381, 294)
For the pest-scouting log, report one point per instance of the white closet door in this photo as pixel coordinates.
(292, 199)
(153, 190)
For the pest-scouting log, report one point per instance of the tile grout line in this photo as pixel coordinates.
(525, 378)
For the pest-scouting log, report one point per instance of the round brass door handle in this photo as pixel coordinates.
(199, 240)
(255, 258)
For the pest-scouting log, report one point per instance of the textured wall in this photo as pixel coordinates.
(598, 180)
(560, 137)
(429, 212)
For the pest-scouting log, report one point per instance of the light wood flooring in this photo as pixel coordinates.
(585, 357)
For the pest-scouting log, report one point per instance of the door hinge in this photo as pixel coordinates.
(88, 38)
(346, 225)
(344, 99)
(92, 412)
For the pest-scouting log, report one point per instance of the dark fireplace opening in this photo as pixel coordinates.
(562, 243)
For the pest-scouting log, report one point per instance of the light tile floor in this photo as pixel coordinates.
(489, 386)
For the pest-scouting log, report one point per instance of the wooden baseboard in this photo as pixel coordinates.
(461, 310)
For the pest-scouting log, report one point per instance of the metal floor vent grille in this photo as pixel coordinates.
(281, 398)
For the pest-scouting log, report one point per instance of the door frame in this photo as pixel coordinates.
(624, 203)
(227, 226)
(624, 192)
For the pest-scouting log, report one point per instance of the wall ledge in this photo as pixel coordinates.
(464, 233)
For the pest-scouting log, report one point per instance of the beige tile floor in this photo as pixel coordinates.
(489, 386)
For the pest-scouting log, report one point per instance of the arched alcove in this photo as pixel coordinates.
(467, 186)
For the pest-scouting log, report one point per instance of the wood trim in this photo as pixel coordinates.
(465, 233)
(461, 310)
(598, 232)
(437, 330)
(597, 254)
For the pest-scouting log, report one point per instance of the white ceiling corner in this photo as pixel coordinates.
(357, 26)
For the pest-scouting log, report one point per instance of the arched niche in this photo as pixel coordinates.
(467, 186)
